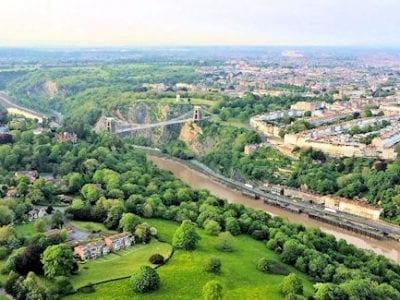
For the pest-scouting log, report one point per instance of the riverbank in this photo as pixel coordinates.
(198, 180)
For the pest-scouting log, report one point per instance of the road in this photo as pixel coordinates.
(5, 101)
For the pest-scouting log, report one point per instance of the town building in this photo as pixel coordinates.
(32, 175)
(91, 250)
(119, 241)
(114, 243)
(66, 137)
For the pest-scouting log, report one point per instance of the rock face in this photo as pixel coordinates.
(149, 113)
(144, 113)
(191, 135)
(50, 88)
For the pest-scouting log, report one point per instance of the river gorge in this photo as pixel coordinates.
(197, 180)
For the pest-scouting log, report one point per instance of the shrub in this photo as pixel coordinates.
(212, 290)
(88, 289)
(145, 280)
(224, 242)
(3, 253)
(259, 235)
(156, 259)
(291, 284)
(185, 236)
(212, 227)
(213, 265)
(266, 265)
(63, 285)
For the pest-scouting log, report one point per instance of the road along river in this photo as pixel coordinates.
(197, 180)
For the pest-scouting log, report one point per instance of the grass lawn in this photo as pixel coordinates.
(122, 263)
(25, 230)
(91, 226)
(183, 276)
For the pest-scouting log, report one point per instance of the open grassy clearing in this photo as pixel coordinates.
(120, 264)
(26, 230)
(91, 226)
(183, 276)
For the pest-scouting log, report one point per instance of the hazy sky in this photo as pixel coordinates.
(187, 22)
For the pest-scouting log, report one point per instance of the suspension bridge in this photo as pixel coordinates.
(196, 115)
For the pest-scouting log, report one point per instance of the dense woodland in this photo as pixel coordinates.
(109, 180)
(85, 93)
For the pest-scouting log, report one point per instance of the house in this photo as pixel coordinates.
(91, 250)
(119, 241)
(32, 175)
(11, 193)
(65, 199)
(33, 214)
(36, 213)
(66, 137)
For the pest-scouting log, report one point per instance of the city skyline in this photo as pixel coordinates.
(218, 22)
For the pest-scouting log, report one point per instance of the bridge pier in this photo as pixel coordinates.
(197, 114)
(110, 125)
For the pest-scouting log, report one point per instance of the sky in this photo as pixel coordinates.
(200, 22)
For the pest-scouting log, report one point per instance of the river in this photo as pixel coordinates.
(197, 180)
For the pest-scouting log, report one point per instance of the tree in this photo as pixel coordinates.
(41, 224)
(75, 182)
(58, 260)
(35, 196)
(146, 279)
(330, 291)
(224, 242)
(212, 227)
(386, 291)
(213, 265)
(291, 284)
(232, 225)
(357, 289)
(128, 222)
(33, 287)
(30, 260)
(6, 215)
(57, 219)
(292, 249)
(212, 290)
(185, 236)
(143, 233)
(63, 285)
(156, 259)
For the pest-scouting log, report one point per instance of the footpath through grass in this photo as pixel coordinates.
(183, 276)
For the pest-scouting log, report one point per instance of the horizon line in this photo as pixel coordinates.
(137, 46)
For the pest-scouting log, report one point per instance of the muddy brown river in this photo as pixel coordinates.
(197, 180)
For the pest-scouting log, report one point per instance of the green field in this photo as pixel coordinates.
(120, 264)
(25, 230)
(91, 226)
(183, 276)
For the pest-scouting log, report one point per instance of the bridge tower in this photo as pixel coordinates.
(197, 114)
(110, 125)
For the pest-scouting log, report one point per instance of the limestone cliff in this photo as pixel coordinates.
(191, 135)
(149, 113)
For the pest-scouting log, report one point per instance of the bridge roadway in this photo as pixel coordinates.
(5, 101)
(375, 229)
(146, 126)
